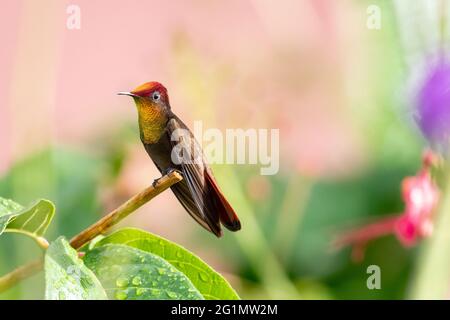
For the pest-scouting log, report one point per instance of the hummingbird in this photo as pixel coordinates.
(172, 146)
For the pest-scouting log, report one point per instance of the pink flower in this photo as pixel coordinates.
(421, 196)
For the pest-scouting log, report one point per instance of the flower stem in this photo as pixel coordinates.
(432, 278)
(100, 227)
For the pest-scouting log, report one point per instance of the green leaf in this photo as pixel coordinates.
(132, 274)
(8, 210)
(32, 220)
(66, 276)
(210, 283)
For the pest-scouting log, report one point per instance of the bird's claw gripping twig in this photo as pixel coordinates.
(164, 173)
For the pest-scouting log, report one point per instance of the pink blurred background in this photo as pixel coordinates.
(251, 64)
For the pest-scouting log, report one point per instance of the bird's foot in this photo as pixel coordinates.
(169, 170)
(164, 173)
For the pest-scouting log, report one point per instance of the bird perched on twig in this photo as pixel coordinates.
(172, 146)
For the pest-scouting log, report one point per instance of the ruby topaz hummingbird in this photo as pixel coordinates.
(161, 131)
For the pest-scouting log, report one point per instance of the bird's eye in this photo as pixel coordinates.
(156, 96)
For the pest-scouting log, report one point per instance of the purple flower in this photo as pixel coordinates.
(433, 104)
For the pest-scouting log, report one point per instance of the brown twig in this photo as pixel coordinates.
(100, 227)
(125, 209)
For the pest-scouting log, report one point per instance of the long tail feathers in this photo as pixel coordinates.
(226, 213)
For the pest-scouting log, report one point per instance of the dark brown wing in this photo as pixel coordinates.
(184, 195)
(199, 193)
(191, 190)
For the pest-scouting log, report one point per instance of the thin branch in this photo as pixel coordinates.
(112, 218)
(100, 227)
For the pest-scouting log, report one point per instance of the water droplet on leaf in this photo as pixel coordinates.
(121, 295)
(122, 282)
(136, 281)
(161, 271)
(204, 277)
(172, 295)
(140, 291)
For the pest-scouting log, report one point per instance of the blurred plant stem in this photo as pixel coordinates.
(19, 274)
(432, 278)
(253, 242)
(101, 226)
(290, 215)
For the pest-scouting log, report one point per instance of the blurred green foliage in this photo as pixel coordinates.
(317, 270)
(69, 179)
